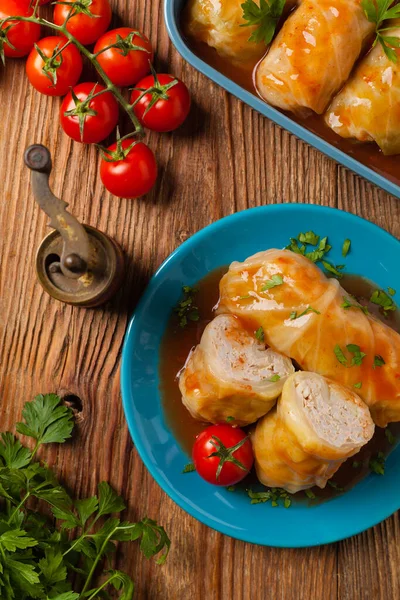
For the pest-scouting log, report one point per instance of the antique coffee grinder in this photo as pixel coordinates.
(76, 263)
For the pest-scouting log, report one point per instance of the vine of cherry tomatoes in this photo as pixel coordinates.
(89, 112)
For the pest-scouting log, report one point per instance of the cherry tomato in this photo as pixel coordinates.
(133, 170)
(86, 117)
(124, 65)
(165, 106)
(222, 454)
(86, 29)
(20, 35)
(54, 72)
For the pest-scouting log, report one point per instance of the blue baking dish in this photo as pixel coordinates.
(172, 12)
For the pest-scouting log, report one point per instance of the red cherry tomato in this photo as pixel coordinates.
(124, 65)
(165, 106)
(132, 172)
(59, 71)
(86, 117)
(233, 454)
(21, 35)
(86, 29)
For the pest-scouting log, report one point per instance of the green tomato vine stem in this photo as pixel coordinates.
(92, 58)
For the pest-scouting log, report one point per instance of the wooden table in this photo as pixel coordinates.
(226, 158)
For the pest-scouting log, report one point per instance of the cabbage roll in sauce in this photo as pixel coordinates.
(302, 316)
(318, 424)
(231, 374)
(368, 107)
(313, 55)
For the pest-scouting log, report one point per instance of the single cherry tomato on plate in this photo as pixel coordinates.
(130, 57)
(54, 66)
(128, 169)
(89, 113)
(161, 102)
(17, 38)
(223, 454)
(91, 18)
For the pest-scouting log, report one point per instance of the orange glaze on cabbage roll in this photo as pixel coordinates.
(220, 24)
(303, 319)
(368, 107)
(313, 55)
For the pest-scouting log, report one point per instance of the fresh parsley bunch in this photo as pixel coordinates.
(39, 559)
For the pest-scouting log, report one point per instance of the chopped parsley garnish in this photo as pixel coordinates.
(378, 12)
(346, 248)
(377, 464)
(231, 488)
(273, 495)
(265, 16)
(391, 291)
(380, 298)
(294, 247)
(230, 419)
(310, 494)
(260, 334)
(322, 249)
(274, 378)
(390, 437)
(335, 486)
(349, 304)
(245, 297)
(379, 361)
(189, 468)
(186, 308)
(273, 282)
(358, 385)
(294, 314)
(339, 355)
(358, 355)
(332, 269)
(309, 238)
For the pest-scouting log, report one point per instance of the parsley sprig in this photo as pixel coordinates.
(264, 16)
(40, 560)
(186, 308)
(378, 12)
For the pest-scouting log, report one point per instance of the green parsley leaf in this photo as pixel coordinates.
(186, 308)
(358, 385)
(294, 315)
(86, 508)
(260, 335)
(378, 361)
(189, 468)
(121, 582)
(391, 291)
(275, 281)
(230, 488)
(13, 453)
(335, 486)
(390, 437)
(309, 238)
(294, 247)
(348, 304)
(154, 540)
(229, 419)
(358, 355)
(332, 269)
(52, 567)
(16, 539)
(346, 247)
(377, 464)
(310, 494)
(273, 495)
(339, 355)
(378, 12)
(274, 378)
(46, 420)
(109, 501)
(264, 16)
(380, 298)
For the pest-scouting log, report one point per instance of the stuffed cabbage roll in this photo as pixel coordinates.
(313, 55)
(231, 374)
(302, 315)
(220, 24)
(368, 107)
(318, 424)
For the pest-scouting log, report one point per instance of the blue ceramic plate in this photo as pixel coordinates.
(172, 12)
(374, 254)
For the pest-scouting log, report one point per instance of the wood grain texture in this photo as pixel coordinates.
(226, 158)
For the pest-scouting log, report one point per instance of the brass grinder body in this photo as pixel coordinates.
(76, 264)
